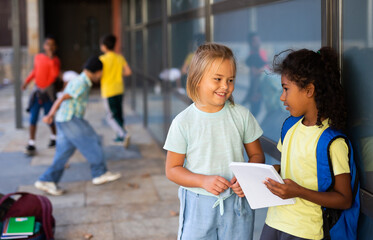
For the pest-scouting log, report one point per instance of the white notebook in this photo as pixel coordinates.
(250, 176)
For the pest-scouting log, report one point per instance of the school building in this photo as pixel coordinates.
(158, 37)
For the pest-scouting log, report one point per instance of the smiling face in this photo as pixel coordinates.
(216, 86)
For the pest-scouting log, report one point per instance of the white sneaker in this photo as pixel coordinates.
(49, 187)
(106, 177)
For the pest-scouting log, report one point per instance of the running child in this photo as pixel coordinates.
(112, 87)
(313, 95)
(74, 132)
(201, 143)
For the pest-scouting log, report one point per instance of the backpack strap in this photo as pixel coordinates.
(337, 224)
(325, 173)
(288, 123)
(48, 221)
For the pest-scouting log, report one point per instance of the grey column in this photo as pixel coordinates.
(16, 42)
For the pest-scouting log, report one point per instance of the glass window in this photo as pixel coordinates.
(156, 111)
(126, 12)
(126, 46)
(139, 67)
(155, 98)
(357, 78)
(154, 9)
(178, 6)
(263, 32)
(186, 36)
(154, 61)
(139, 50)
(138, 9)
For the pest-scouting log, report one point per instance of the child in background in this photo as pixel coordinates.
(313, 93)
(46, 70)
(66, 77)
(75, 133)
(112, 87)
(201, 143)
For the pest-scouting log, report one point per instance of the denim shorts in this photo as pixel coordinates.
(35, 109)
(199, 220)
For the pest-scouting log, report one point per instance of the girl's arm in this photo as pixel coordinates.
(255, 153)
(182, 176)
(339, 198)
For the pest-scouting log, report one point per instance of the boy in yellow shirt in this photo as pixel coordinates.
(115, 67)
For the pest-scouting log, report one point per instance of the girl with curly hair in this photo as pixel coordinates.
(312, 93)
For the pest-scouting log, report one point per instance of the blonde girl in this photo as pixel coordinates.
(201, 143)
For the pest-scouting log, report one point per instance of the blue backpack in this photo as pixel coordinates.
(337, 224)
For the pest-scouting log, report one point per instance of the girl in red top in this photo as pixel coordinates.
(46, 70)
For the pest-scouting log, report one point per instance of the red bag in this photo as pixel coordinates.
(32, 205)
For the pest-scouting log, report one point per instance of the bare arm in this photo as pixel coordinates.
(28, 79)
(127, 71)
(49, 118)
(182, 176)
(255, 152)
(339, 198)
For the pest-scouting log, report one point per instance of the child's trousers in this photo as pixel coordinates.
(71, 135)
(199, 220)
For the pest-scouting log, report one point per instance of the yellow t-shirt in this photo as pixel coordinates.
(298, 163)
(112, 74)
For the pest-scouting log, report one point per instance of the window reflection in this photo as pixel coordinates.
(184, 5)
(261, 33)
(357, 79)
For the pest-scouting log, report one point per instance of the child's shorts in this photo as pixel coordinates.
(199, 220)
(269, 233)
(35, 109)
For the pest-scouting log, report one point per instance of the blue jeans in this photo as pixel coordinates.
(71, 135)
(199, 220)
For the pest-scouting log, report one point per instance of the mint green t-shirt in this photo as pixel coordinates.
(211, 141)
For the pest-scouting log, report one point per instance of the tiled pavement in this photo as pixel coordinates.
(141, 205)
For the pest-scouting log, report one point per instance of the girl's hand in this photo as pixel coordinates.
(215, 184)
(287, 190)
(236, 187)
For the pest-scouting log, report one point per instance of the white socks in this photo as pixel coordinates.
(31, 142)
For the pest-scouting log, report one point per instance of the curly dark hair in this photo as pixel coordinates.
(304, 67)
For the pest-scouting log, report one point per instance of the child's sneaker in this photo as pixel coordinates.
(118, 139)
(30, 150)
(52, 143)
(106, 177)
(48, 187)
